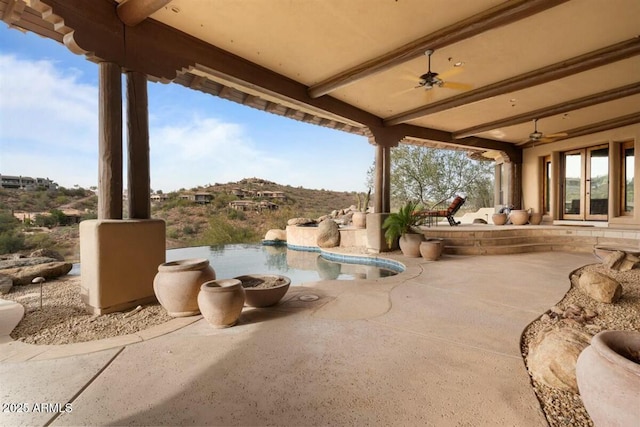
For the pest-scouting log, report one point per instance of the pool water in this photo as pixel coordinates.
(300, 266)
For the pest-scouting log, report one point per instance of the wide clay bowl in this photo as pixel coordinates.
(264, 290)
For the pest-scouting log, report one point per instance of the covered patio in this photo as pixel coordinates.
(426, 347)
(463, 75)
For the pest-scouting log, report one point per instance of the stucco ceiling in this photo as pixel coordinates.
(311, 41)
(545, 59)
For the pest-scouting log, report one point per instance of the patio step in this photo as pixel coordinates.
(502, 240)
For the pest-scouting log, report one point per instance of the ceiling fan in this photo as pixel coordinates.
(431, 79)
(537, 136)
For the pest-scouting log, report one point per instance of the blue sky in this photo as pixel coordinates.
(49, 128)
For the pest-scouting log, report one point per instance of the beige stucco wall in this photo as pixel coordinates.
(532, 170)
(119, 260)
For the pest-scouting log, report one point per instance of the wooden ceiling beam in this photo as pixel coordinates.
(498, 16)
(13, 11)
(575, 104)
(614, 123)
(133, 12)
(598, 58)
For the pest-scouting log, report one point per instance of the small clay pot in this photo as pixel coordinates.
(177, 284)
(519, 217)
(499, 218)
(256, 296)
(221, 302)
(535, 218)
(359, 219)
(431, 249)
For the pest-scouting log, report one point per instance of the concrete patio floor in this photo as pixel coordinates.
(437, 345)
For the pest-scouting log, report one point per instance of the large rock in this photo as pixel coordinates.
(50, 270)
(25, 262)
(600, 287)
(553, 356)
(48, 253)
(301, 221)
(328, 234)
(276, 235)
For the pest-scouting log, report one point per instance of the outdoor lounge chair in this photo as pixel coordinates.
(439, 211)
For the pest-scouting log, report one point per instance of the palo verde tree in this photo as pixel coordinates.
(429, 175)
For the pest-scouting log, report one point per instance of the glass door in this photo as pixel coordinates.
(573, 185)
(597, 184)
(586, 184)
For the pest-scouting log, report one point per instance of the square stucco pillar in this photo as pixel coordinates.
(119, 259)
(376, 242)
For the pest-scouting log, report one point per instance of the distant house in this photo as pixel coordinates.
(265, 205)
(159, 197)
(272, 194)
(200, 198)
(243, 205)
(26, 183)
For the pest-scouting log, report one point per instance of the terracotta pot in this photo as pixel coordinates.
(608, 374)
(221, 302)
(177, 284)
(410, 244)
(499, 218)
(359, 219)
(519, 217)
(535, 218)
(256, 296)
(431, 249)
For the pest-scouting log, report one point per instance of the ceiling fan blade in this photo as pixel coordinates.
(454, 71)
(402, 92)
(457, 86)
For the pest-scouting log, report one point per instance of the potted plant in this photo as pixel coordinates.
(359, 217)
(400, 225)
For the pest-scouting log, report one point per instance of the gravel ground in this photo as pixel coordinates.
(63, 320)
(565, 408)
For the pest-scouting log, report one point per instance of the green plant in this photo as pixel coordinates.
(401, 222)
(363, 205)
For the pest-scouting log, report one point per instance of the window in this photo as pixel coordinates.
(546, 185)
(628, 165)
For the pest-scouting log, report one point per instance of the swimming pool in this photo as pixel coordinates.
(300, 266)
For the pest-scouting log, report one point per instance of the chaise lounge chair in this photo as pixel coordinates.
(439, 211)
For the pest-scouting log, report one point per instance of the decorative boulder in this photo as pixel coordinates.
(328, 234)
(553, 356)
(600, 287)
(276, 235)
(49, 253)
(301, 221)
(24, 275)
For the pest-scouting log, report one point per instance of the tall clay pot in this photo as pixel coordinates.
(221, 302)
(608, 374)
(177, 284)
(519, 217)
(359, 219)
(410, 244)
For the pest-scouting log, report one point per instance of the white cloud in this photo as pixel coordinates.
(44, 106)
(205, 150)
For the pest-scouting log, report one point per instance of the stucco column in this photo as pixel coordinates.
(110, 142)
(138, 181)
(378, 202)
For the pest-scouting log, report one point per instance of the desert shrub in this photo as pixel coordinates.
(222, 231)
(11, 241)
(8, 222)
(39, 241)
(236, 214)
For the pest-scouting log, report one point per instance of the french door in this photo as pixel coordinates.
(586, 184)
